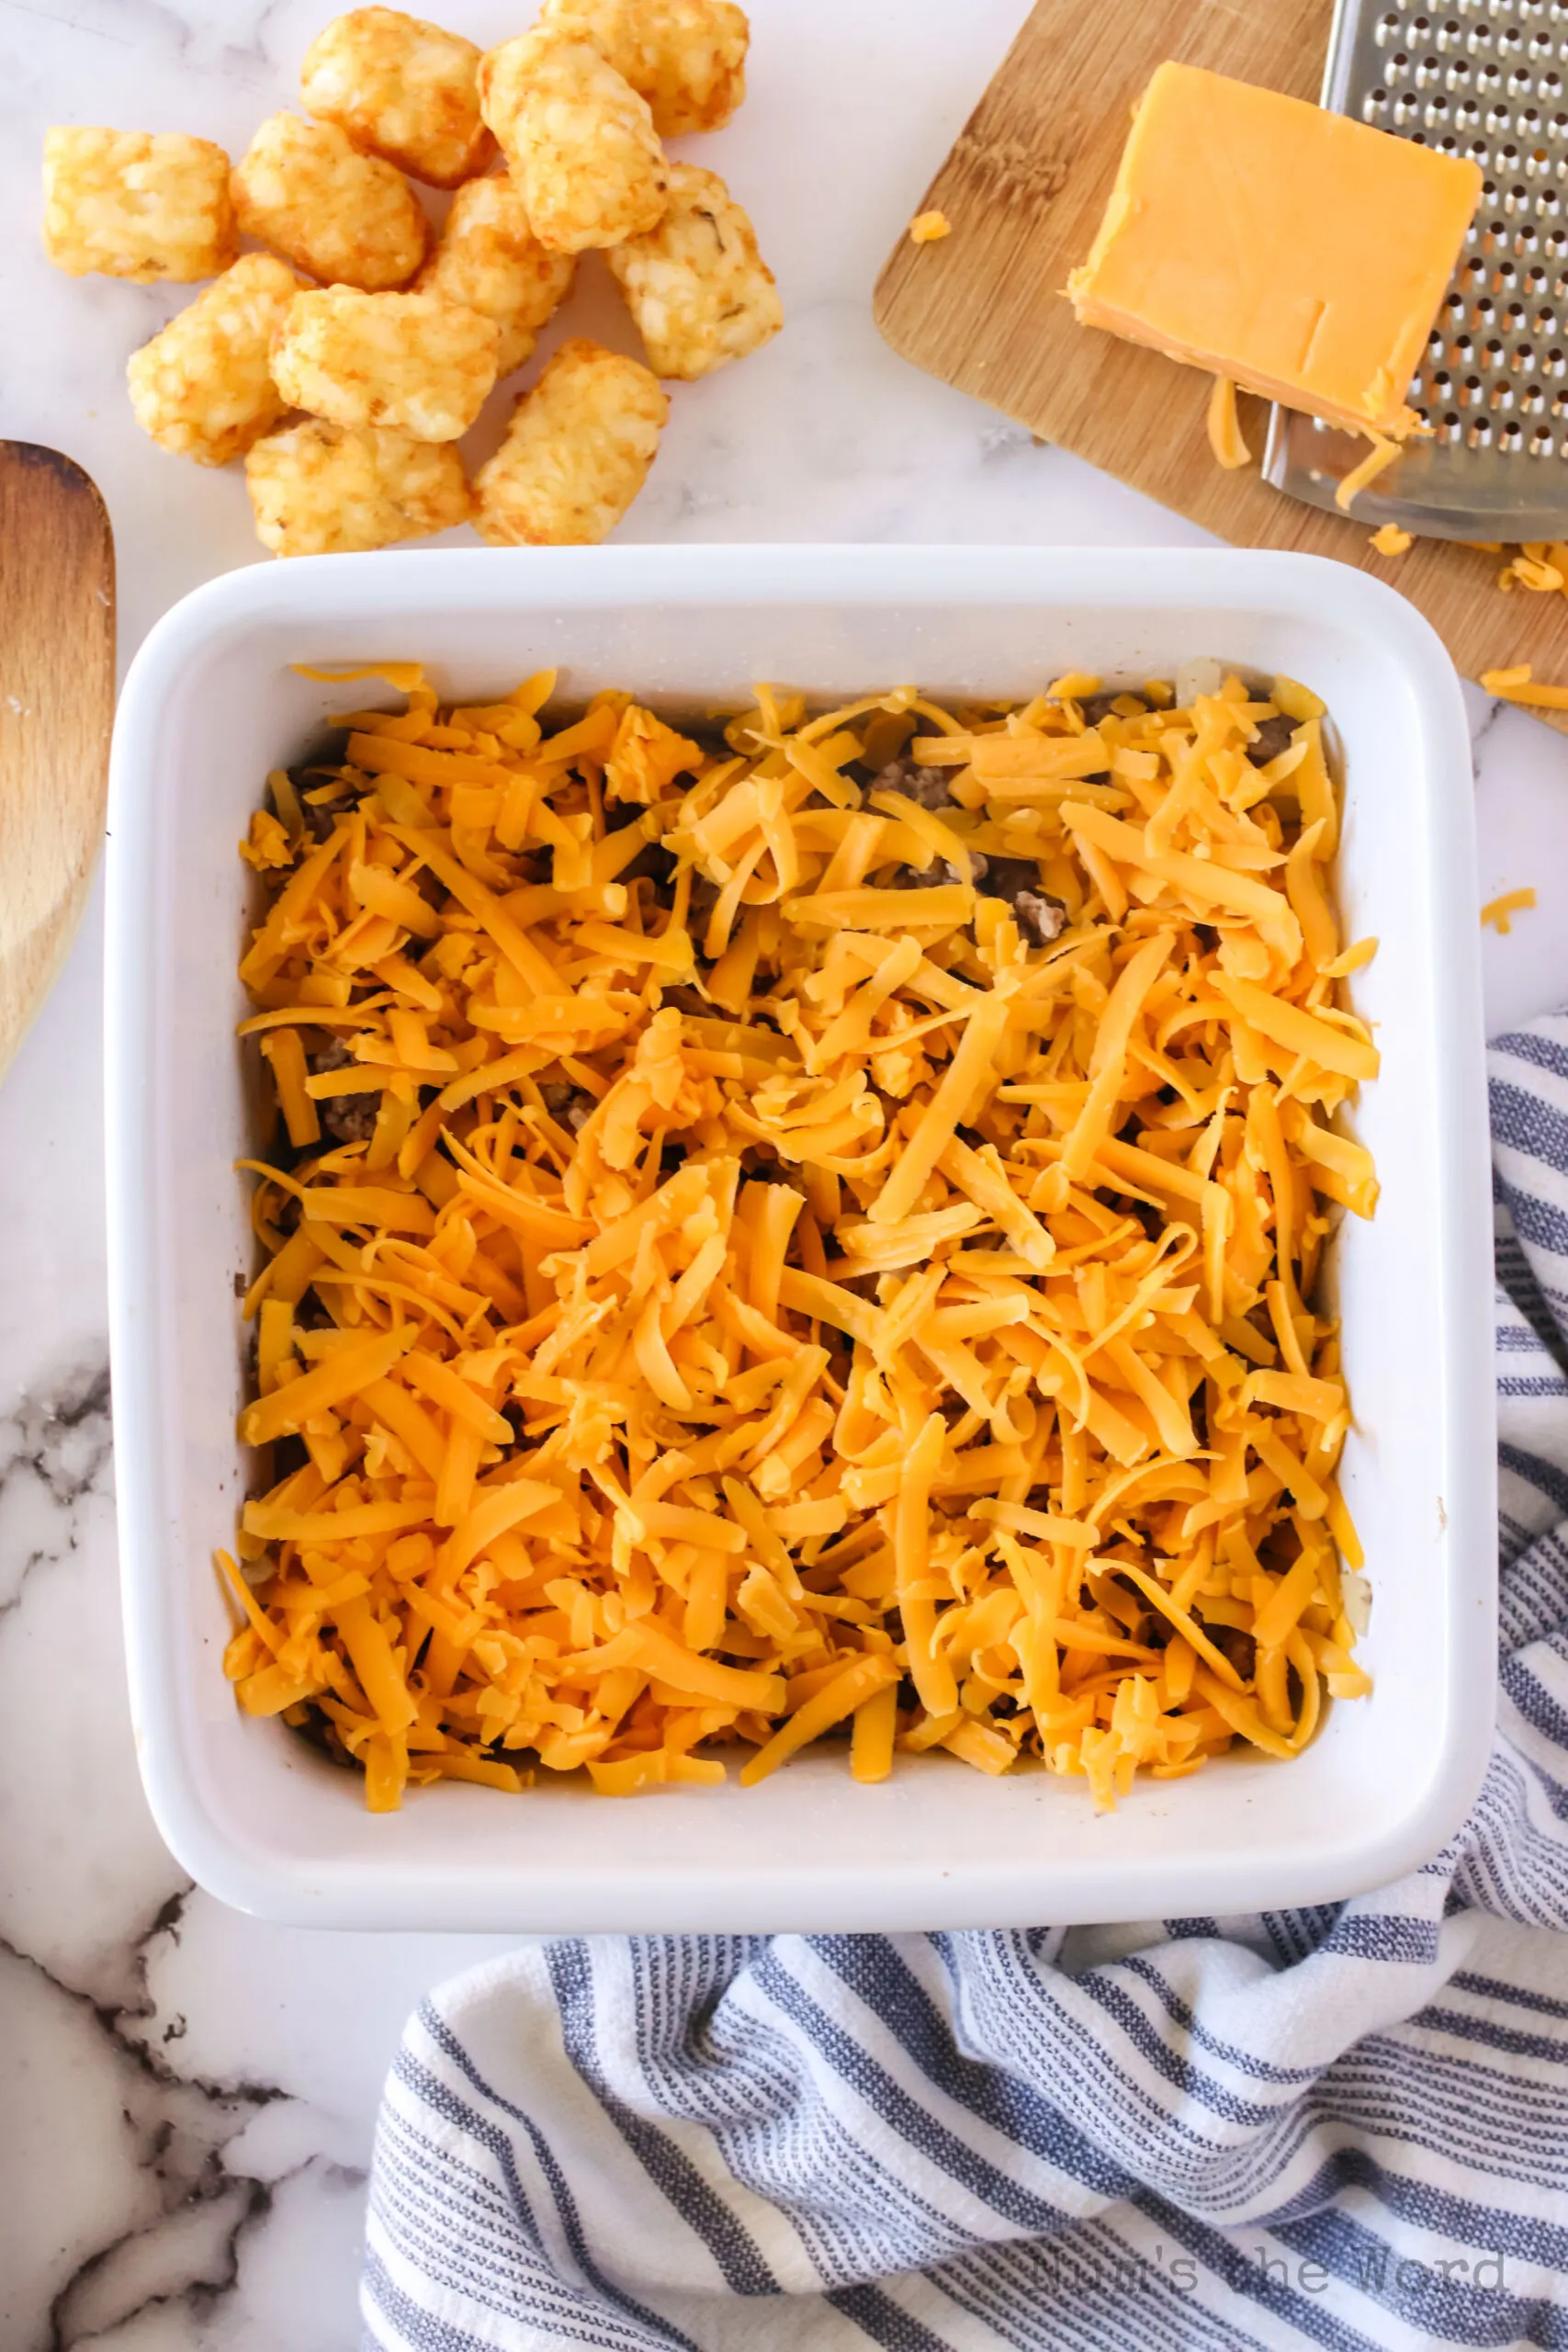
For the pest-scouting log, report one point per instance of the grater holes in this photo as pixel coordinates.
(1478, 436)
(1511, 438)
(1428, 71)
(1436, 116)
(1387, 29)
(1554, 363)
(1373, 105)
(1451, 429)
(1540, 442)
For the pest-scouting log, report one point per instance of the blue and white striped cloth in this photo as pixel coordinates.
(1343, 2127)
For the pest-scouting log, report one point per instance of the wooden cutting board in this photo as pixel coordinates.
(1024, 187)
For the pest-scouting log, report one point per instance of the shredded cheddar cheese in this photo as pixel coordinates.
(1226, 440)
(1498, 911)
(927, 228)
(1519, 685)
(1389, 539)
(1378, 460)
(729, 1278)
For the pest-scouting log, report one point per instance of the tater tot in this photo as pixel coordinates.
(581, 145)
(318, 489)
(347, 219)
(136, 204)
(698, 288)
(410, 362)
(687, 58)
(576, 453)
(488, 258)
(404, 90)
(203, 388)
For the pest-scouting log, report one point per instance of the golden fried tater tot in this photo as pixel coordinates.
(687, 58)
(581, 142)
(136, 204)
(318, 489)
(411, 362)
(576, 453)
(347, 219)
(402, 89)
(488, 258)
(698, 288)
(203, 388)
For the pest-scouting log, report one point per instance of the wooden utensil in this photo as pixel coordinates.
(982, 309)
(56, 706)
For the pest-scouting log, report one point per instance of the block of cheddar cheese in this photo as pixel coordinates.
(1300, 253)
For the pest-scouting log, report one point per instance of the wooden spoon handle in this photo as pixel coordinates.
(56, 617)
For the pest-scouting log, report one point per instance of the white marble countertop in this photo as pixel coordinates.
(187, 2095)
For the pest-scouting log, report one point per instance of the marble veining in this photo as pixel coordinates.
(187, 2097)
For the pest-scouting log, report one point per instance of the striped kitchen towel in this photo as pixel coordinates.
(1343, 2127)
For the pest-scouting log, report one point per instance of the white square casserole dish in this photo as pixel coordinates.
(263, 1821)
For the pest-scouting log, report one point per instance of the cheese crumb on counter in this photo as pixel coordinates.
(927, 228)
(1390, 540)
(1497, 912)
(1299, 254)
(1519, 685)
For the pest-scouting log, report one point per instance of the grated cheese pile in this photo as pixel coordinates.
(795, 1288)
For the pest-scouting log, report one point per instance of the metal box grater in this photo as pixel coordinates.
(1487, 79)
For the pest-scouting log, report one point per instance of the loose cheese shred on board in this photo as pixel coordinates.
(802, 1230)
(926, 228)
(1389, 539)
(1498, 911)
